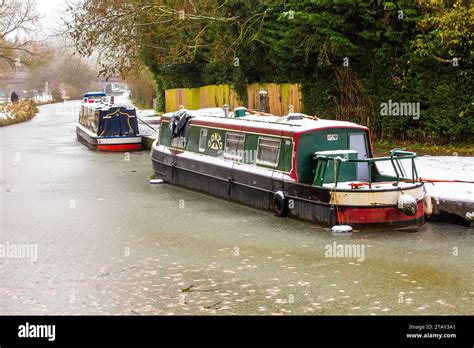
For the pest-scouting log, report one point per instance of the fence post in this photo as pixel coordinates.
(263, 101)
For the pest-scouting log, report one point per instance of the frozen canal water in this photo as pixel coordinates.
(109, 243)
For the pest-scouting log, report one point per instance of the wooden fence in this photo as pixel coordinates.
(280, 97)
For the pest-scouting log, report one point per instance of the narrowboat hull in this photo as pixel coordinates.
(257, 188)
(111, 144)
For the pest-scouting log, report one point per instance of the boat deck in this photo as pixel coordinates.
(360, 185)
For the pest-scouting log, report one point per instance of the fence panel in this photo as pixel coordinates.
(280, 97)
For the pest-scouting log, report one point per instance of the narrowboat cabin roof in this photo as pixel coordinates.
(94, 94)
(284, 125)
(100, 101)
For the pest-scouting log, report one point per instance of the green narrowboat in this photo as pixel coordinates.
(297, 166)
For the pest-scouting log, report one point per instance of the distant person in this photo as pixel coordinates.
(14, 97)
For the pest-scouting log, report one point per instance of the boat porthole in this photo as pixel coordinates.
(280, 204)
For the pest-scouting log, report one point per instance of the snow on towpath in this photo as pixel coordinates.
(5, 115)
(445, 168)
(448, 168)
(146, 115)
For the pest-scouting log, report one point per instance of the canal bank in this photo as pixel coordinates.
(110, 243)
(449, 185)
(451, 195)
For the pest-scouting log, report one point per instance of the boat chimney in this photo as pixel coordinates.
(263, 99)
(226, 110)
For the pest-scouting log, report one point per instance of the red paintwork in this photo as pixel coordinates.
(368, 215)
(120, 147)
(266, 130)
(294, 171)
(243, 128)
(355, 126)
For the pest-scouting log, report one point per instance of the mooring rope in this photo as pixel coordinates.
(138, 118)
(433, 181)
(356, 185)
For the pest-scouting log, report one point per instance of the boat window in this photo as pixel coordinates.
(268, 151)
(203, 140)
(234, 146)
(178, 142)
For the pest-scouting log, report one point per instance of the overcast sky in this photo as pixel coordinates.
(50, 12)
(50, 23)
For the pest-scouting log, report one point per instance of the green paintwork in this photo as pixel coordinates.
(240, 112)
(324, 169)
(309, 143)
(215, 144)
(317, 140)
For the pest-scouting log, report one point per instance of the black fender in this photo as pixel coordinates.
(280, 204)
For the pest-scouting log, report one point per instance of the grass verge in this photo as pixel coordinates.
(18, 112)
(383, 147)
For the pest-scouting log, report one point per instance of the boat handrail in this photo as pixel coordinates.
(396, 155)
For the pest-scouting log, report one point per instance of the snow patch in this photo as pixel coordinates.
(405, 199)
(407, 204)
(341, 229)
(6, 116)
(280, 194)
(443, 168)
(156, 181)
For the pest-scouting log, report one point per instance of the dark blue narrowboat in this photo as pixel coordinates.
(105, 126)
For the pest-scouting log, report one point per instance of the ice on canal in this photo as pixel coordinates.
(108, 242)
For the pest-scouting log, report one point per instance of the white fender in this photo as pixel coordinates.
(407, 204)
(428, 205)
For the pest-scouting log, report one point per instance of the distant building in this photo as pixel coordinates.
(111, 84)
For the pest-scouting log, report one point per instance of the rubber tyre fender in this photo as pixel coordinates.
(280, 204)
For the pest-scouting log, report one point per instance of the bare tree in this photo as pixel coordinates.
(17, 20)
(123, 32)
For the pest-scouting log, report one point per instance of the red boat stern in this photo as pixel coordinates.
(119, 147)
(378, 216)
